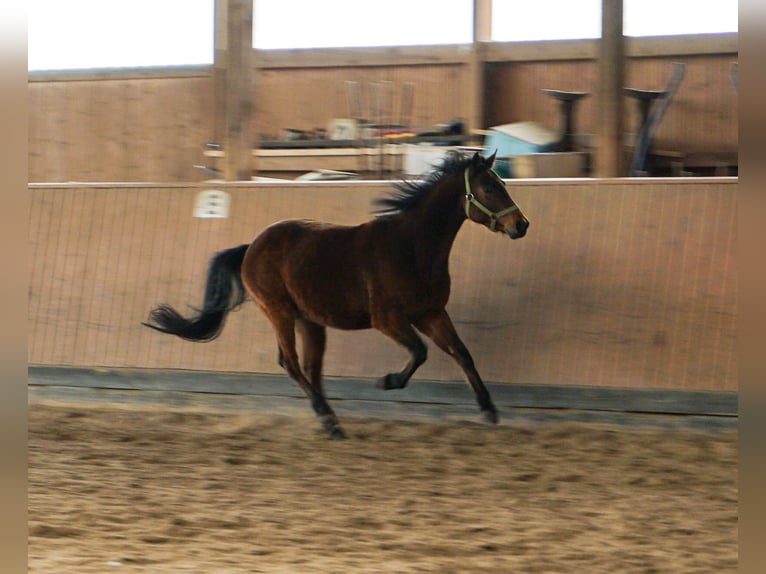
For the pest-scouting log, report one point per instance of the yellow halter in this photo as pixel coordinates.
(470, 199)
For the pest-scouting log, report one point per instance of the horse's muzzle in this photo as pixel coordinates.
(519, 230)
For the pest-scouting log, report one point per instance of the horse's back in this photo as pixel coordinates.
(305, 242)
(314, 266)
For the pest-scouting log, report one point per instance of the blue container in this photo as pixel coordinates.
(520, 138)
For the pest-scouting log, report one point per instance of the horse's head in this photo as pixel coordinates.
(487, 200)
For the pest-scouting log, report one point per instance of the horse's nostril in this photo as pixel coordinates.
(521, 225)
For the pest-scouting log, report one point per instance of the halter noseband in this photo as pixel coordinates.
(470, 199)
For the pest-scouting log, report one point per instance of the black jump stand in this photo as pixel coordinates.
(644, 98)
(568, 100)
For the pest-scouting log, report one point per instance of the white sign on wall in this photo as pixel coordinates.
(212, 203)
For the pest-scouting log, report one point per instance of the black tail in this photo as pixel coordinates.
(224, 292)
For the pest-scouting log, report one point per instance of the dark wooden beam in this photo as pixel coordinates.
(611, 80)
(233, 74)
(482, 34)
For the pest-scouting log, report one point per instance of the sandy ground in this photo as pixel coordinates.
(156, 490)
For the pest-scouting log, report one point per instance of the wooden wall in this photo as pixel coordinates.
(703, 116)
(619, 283)
(152, 125)
(119, 127)
(306, 98)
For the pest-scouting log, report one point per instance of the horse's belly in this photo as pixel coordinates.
(340, 320)
(332, 297)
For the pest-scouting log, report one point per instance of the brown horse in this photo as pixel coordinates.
(390, 273)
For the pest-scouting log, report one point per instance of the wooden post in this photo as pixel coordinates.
(482, 32)
(233, 77)
(611, 71)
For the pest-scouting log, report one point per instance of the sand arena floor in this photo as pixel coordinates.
(169, 490)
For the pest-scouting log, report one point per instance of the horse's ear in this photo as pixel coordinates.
(478, 163)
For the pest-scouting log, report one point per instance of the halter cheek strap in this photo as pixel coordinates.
(470, 199)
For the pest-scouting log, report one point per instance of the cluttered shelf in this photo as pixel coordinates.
(362, 150)
(366, 157)
(524, 149)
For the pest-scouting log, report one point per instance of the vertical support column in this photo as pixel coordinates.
(482, 33)
(611, 72)
(219, 71)
(233, 78)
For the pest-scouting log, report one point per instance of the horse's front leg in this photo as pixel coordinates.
(439, 328)
(397, 327)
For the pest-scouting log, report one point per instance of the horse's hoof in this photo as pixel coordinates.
(384, 382)
(390, 381)
(337, 433)
(334, 430)
(490, 416)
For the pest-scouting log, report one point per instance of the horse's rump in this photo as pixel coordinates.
(313, 266)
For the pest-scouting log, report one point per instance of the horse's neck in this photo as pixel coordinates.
(438, 219)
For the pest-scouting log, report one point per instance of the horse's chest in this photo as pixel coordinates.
(429, 290)
(437, 288)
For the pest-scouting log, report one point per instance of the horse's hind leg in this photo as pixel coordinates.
(314, 338)
(439, 328)
(285, 330)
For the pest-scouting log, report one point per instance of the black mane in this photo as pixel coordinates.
(408, 193)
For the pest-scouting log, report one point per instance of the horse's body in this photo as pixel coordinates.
(390, 273)
(391, 269)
